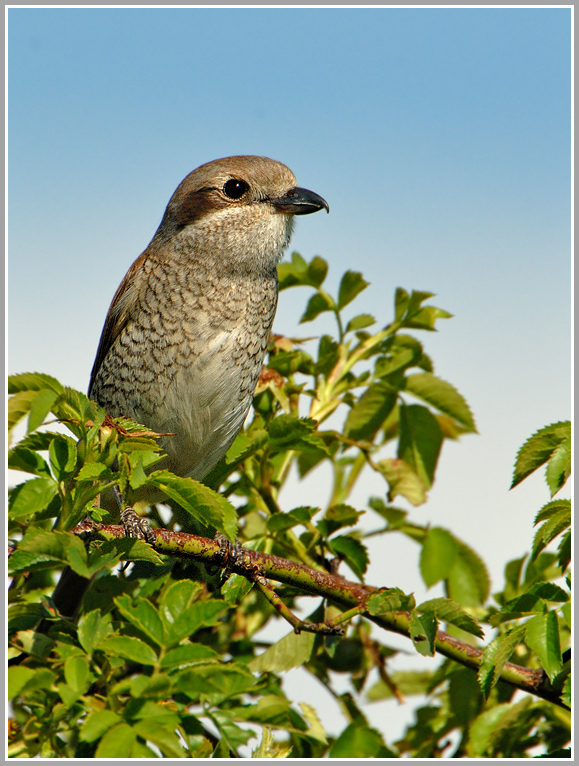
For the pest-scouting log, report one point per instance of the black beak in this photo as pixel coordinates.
(298, 201)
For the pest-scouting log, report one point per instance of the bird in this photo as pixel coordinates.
(186, 334)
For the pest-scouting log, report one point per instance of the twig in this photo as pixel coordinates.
(349, 595)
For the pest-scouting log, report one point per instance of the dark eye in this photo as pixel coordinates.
(234, 188)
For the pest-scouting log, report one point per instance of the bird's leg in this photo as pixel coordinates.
(232, 555)
(134, 525)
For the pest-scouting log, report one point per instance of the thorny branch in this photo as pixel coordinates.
(259, 567)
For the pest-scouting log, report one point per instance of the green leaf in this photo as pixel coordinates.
(317, 304)
(40, 408)
(18, 677)
(284, 521)
(164, 738)
(24, 459)
(91, 471)
(557, 523)
(468, 582)
(21, 682)
(559, 466)
(292, 651)
(143, 615)
(92, 629)
(351, 284)
(187, 655)
(31, 497)
(290, 432)
(370, 411)
(77, 673)
(449, 611)
(33, 381)
(182, 615)
(359, 322)
(539, 448)
(534, 600)
(388, 600)
(441, 395)
(352, 552)
(296, 272)
(402, 480)
(97, 723)
(408, 683)
(437, 556)
(542, 636)
(317, 271)
(118, 742)
(204, 504)
(130, 648)
(423, 632)
(62, 453)
(19, 406)
(420, 441)
(358, 740)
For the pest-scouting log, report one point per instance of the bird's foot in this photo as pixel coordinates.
(135, 526)
(232, 555)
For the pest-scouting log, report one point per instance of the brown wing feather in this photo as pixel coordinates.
(117, 317)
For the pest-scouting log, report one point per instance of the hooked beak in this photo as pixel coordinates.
(298, 201)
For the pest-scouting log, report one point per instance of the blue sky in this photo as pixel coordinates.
(439, 137)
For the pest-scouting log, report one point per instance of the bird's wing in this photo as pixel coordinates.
(117, 316)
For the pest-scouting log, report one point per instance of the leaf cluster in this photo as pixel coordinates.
(163, 659)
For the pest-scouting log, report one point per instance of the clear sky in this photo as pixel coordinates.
(439, 137)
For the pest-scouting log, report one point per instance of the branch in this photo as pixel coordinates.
(349, 595)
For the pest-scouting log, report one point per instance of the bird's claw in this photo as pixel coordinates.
(135, 526)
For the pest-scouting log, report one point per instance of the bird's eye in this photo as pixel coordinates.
(234, 188)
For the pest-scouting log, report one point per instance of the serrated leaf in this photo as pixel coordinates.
(408, 683)
(317, 271)
(358, 740)
(187, 655)
(165, 738)
(19, 406)
(441, 395)
(538, 448)
(143, 615)
(534, 600)
(62, 454)
(423, 632)
(130, 648)
(548, 531)
(359, 322)
(559, 466)
(204, 504)
(542, 636)
(438, 555)
(352, 552)
(370, 411)
(292, 651)
(292, 272)
(33, 381)
(317, 304)
(468, 582)
(40, 408)
(77, 673)
(31, 496)
(495, 655)
(351, 284)
(117, 743)
(420, 441)
(449, 611)
(402, 480)
(97, 723)
(23, 459)
(389, 600)
(92, 629)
